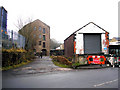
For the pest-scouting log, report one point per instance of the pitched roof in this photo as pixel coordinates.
(35, 21)
(3, 8)
(88, 24)
(117, 38)
(42, 22)
(85, 26)
(110, 39)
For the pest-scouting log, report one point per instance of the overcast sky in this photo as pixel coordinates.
(64, 16)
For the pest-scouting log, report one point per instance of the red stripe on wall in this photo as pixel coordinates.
(74, 47)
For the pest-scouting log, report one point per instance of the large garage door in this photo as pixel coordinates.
(92, 43)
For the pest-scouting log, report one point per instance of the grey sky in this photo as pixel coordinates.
(64, 16)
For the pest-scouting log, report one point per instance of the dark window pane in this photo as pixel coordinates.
(43, 30)
(44, 37)
(43, 44)
(39, 42)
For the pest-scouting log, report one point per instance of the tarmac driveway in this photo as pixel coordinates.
(38, 66)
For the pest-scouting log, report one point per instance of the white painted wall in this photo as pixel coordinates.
(79, 44)
(104, 47)
(91, 28)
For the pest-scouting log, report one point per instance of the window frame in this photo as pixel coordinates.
(40, 28)
(40, 36)
(44, 31)
(34, 28)
(44, 38)
(44, 46)
(40, 43)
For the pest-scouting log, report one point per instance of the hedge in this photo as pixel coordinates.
(12, 56)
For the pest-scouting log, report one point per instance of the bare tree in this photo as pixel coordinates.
(25, 29)
(21, 23)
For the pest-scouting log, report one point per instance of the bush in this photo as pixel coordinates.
(29, 55)
(61, 60)
(76, 64)
(69, 58)
(13, 56)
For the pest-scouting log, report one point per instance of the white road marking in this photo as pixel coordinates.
(105, 83)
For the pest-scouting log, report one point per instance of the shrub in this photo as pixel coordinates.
(29, 55)
(69, 58)
(13, 56)
(61, 60)
(76, 64)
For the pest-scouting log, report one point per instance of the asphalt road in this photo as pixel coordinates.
(80, 78)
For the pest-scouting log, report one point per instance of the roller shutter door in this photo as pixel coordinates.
(92, 43)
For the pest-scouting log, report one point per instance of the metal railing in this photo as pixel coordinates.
(11, 39)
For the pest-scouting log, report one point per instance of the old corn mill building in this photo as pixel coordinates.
(41, 33)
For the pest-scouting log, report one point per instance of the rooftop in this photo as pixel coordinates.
(85, 26)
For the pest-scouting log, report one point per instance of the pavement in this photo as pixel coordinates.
(92, 66)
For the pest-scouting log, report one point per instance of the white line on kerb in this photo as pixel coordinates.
(105, 83)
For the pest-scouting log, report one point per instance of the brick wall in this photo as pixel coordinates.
(69, 46)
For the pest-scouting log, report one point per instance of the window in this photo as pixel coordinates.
(34, 28)
(44, 37)
(39, 36)
(39, 28)
(43, 30)
(112, 51)
(39, 42)
(43, 44)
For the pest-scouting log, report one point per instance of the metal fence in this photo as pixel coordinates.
(12, 39)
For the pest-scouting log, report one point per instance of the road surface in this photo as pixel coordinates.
(32, 76)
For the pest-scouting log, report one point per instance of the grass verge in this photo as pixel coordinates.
(65, 63)
(61, 65)
(15, 66)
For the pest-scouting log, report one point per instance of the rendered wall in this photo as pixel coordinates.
(106, 43)
(79, 44)
(91, 28)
